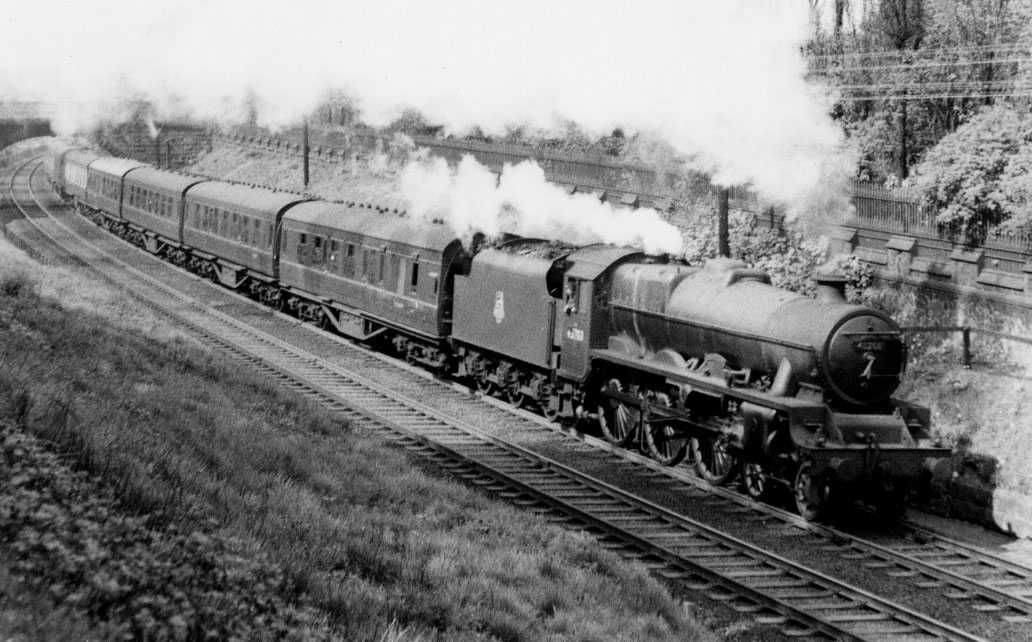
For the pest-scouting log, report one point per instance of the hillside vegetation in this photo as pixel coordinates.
(151, 489)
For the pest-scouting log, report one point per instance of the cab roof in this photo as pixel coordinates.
(589, 262)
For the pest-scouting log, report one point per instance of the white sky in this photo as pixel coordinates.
(721, 80)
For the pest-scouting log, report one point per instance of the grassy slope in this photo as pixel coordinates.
(303, 520)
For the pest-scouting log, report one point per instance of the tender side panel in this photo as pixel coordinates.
(503, 306)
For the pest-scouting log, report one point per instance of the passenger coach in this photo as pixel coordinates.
(231, 229)
(364, 273)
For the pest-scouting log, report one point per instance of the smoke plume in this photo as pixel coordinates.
(470, 198)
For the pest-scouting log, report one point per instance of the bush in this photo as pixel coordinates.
(977, 177)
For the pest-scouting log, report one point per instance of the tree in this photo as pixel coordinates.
(884, 52)
(978, 176)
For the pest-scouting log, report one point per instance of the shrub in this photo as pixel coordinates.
(977, 177)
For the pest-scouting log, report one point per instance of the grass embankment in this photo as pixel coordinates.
(207, 503)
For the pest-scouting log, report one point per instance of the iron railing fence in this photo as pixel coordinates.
(966, 332)
(892, 211)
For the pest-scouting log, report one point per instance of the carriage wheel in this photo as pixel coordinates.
(514, 396)
(754, 478)
(484, 385)
(412, 354)
(619, 421)
(665, 444)
(716, 463)
(811, 493)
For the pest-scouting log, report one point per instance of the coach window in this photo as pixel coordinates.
(382, 272)
(334, 249)
(414, 277)
(317, 251)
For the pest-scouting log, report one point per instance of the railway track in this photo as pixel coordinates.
(773, 589)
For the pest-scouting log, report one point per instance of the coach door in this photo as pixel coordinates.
(575, 326)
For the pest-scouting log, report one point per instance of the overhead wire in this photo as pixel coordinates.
(959, 60)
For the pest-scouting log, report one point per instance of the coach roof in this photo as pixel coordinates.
(80, 156)
(384, 226)
(231, 195)
(115, 166)
(162, 179)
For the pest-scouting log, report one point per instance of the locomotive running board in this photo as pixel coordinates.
(702, 383)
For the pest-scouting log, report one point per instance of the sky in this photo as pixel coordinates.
(719, 81)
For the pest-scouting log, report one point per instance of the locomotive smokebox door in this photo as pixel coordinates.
(576, 327)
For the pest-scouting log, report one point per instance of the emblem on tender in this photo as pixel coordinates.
(499, 306)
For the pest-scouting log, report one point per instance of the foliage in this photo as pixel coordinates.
(71, 541)
(788, 253)
(974, 176)
(938, 43)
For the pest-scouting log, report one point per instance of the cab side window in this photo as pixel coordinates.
(571, 294)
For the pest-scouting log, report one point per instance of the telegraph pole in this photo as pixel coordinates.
(723, 245)
(304, 154)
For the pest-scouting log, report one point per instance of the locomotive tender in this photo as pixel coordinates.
(709, 362)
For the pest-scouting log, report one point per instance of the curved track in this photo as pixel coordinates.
(778, 591)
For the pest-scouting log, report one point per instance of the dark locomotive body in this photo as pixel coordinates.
(710, 363)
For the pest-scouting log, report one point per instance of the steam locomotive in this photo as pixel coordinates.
(711, 363)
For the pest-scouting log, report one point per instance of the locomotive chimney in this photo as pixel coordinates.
(831, 288)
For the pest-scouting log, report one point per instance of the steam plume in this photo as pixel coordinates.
(720, 81)
(471, 199)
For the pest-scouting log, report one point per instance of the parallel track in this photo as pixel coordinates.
(778, 591)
